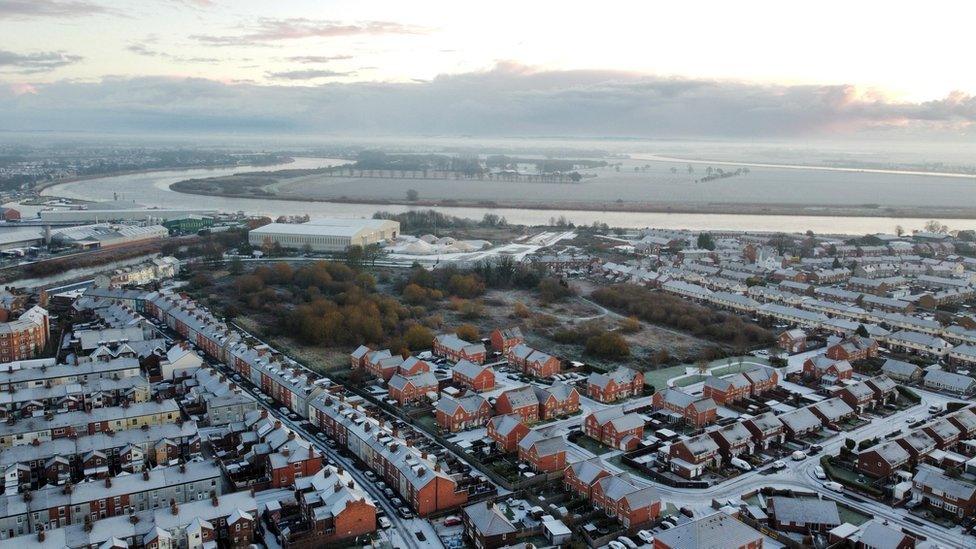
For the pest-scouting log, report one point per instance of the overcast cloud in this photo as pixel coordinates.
(510, 100)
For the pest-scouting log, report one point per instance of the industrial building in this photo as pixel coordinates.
(326, 235)
(107, 236)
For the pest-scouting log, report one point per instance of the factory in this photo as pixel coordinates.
(106, 236)
(326, 235)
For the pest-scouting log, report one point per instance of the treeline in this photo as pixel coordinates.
(675, 312)
(421, 220)
(329, 304)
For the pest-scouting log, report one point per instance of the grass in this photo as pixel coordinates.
(588, 443)
(690, 380)
(659, 378)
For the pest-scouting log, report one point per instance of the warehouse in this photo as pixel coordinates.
(118, 210)
(107, 236)
(326, 235)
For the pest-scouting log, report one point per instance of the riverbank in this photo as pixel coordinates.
(38, 188)
(807, 210)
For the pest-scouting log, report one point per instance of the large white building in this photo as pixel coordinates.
(326, 235)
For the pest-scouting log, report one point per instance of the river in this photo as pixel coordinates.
(152, 189)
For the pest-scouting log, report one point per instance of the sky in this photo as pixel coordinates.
(612, 68)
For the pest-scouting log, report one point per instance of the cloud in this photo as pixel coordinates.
(316, 59)
(509, 100)
(268, 31)
(146, 51)
(25, 9)
(27, 63)
(310, 74)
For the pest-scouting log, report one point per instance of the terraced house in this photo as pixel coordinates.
(543, 454)
(415, 476)
(559, 399)
(532, 362)
(507, 430)
(521, 401)
(728, 389)
(628, 499)
(940, 492)
(580, 477)
(690, 457)
(503, 340)
(411, 389)
(680, 406)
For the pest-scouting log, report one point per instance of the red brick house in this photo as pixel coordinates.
(943, 493)
(728, 389)
(762, 380)
(507, 431)
(503, 340)
(918, 444)
(357, 358)
(821, 366)
(454, 349)
(473, 376)
(852, 349)
(521, 401)
(294, 459)
(410, 389)
(557, 400)
(615, 428)
(689, 458)
(544, 455)
(965, 420)
(859, 396)
(612, 386)
(945, 433)
(533, 362)
(467, 412)
(487, 527)
(733, 440)
(882, 460)
(633, 504)
(582, 476)
(766, 429)
(694, 410)
(792, 341)
(412, 366)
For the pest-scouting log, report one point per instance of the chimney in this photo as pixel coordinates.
(108, 482)
(291, 435)
(183, 467)
(337, 486)
(421, 472)
(285, 451)
(173, 507)
(213, 499)
(277, 424)
(40, 535)
(145, 475)
(264, 413)
(350, 484)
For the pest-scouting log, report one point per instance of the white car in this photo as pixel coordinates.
(614, 544)
(835, 486)
(778, 464)
(819, 472)
(385, 523)
(799, 455)
(628, 542)
(646, 536)
(740, 464)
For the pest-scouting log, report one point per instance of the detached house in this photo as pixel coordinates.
(612, 386)
(792, 341)
(473, 376)
(733, 440)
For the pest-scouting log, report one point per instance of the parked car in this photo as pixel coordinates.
(799, 455)
(388, 492)
(405, 512)
(779, 464)
(385, 523)
(835, 486)
(627, 542)
(740, 464)
(814, 449)
(452, 520)
(397, 501)
(646, 536)
(819, 472)
(614, 544)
